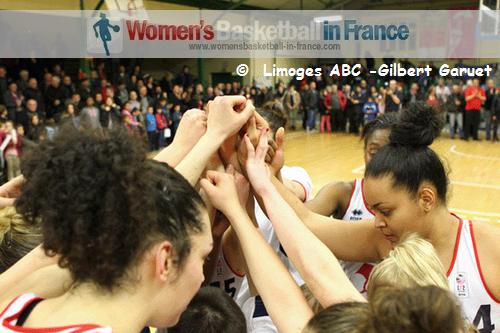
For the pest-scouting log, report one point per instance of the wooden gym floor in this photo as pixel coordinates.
(474, 168)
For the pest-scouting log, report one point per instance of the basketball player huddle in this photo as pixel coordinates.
(126, 238)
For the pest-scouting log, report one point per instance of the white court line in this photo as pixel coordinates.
(454, 150)
(470, 184)
(471, 212)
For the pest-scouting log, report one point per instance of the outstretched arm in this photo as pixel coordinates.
(33, 261)
(314, 261)
(332, 199)
(337, 235)
(192, 127)
(282, 297)
(224, 119)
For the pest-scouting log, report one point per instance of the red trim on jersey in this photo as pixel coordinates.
(352, 193)
(8, 306)
(303, 187)
(228, 265)
(457, 244)
(363, 195)
(479, 264)
(7, 320)
(78, 328)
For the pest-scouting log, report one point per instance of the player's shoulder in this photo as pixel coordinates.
(339, 187)
(487, 234)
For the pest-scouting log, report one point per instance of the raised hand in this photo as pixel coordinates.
(10, 191)
(191, 128)
(227, 115)
(242, 185)
(278, 159)
(257, 170)
(220, 188)
(253, 128)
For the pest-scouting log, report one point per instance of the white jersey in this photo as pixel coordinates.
(358, 272)
(357, 209)
(225, 277)
(295, 174)
(466, 281)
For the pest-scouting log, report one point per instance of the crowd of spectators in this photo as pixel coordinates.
(35, 100)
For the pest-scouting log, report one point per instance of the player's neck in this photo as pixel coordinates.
(442, 232)
(101, 308)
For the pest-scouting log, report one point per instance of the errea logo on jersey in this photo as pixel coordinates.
(104, 35)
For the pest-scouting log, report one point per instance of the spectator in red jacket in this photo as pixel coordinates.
(161, 126)
(475, 96)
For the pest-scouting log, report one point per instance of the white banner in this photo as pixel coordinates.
(243, 34)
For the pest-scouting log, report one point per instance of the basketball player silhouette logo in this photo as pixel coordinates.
(101, 29)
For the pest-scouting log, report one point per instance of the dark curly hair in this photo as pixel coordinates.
(102, 204)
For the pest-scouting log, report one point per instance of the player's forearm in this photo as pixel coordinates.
(193, 165)
(298, 206)
(282, 297)
(172, 155)
(312, 258)
(31, 262)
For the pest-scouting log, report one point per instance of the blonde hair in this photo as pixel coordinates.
(17, 238)
(413, 262)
